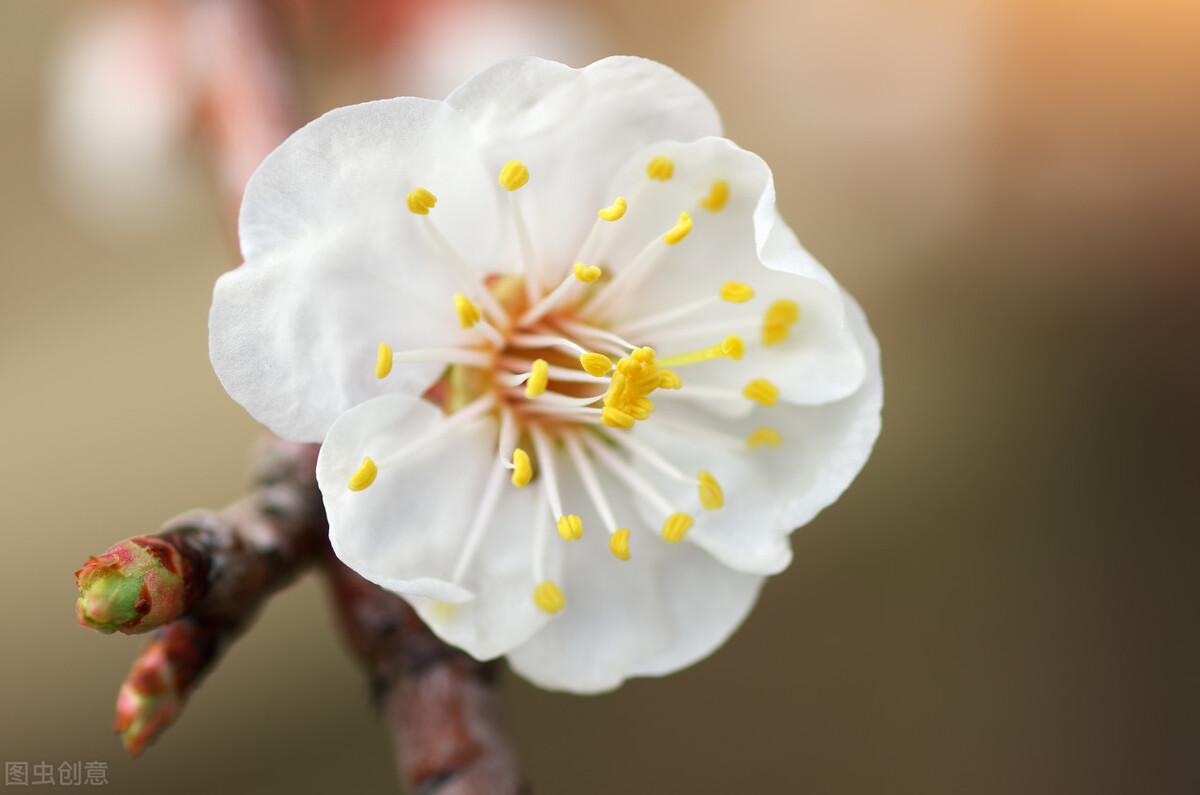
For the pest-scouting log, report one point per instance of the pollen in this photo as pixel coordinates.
(679, 231)
(736, 292)
(760, 390)
(733, 347)
(587, 273)
(420, 201)
(383, 360)
(618, 543)
(711, 496)
(596, 364)
(676, 527)
(627, 401)
(780, 316)
(539, 377)
(614, 211)
(764, 437)
(514, 175)
(549, 597)
(364, 476)
(717, 196)
(660, 168)
(570, 527)
(468, 313)
(522, 468)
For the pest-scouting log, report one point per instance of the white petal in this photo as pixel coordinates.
(573, 128)
(769, 492)
(667, 607)
(406, 531)
(746, 241)
(335, 263)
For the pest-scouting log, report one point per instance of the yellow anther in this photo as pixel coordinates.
(615, 418)
(539, 376)
(711, 496)
(549, 597)
(618, 543)
(779, 317)
(669, 379)
(676, 527)
(596, 364)
(383, 360)
(660, 168)
(468, 313)
(420, 201)
(732, 347)
(760, 390)
(614, 211)
(679, 231)
(570, 527)
(718, 194)
(363, 476)
(514, 175)
(522, 468)
(587, 273)
(764, 437)
(635, 377)
(736, 292)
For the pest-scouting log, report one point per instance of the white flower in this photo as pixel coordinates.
(466, 297)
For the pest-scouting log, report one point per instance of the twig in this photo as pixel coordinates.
(443, 707)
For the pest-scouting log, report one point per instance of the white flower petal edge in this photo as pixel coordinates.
(574, 128)
(332, 260)
(668, 607)
(817, 359)
(415, 530)
(771, 491)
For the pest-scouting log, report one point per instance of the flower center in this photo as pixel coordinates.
(557, 375)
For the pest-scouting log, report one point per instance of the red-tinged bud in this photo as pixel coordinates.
(134, 587)
(148, 701)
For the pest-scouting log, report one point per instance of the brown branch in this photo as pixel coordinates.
(443, 707)
(204, 577)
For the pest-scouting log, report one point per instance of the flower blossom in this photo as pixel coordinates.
(575, 379)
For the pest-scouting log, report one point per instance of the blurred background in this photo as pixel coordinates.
(1005, 600)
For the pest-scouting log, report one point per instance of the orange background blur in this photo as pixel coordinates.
(1005, 600)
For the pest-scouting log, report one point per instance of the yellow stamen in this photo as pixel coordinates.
(420, 201)
(364, 476)
(732, 346)
(587, 273)
(636, 376)
(618, 543)
(614, 211)
(736, 292)
(570, 527)
(660, 168)
(539, 376)
(596, 364)
(760, 390)
(522, 468)
(514, 175)
(676, 527)
(679, 231)
(764, 437)
(780, 315)
(468, 313)
(383, 360)
(718, 194)
(549, 597)
(669, 379)
(711, 496)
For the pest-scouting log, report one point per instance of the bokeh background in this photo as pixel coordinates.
(1005, 601)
